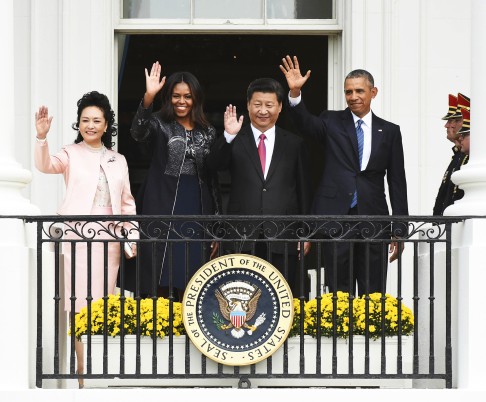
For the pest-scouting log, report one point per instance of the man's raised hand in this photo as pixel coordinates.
(232, 125)
(295, 80)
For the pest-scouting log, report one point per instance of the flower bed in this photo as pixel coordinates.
(187, 359)
(130, 317)
(366, 314)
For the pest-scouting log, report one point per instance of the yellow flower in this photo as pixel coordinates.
(114, 317)
(366, 313)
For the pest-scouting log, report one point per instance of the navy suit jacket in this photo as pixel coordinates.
(342, 175)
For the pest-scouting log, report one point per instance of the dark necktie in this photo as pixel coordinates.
(262, 152)
(360, 137)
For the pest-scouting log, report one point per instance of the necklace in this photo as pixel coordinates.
(101, 150)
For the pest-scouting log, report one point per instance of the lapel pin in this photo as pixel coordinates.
(112, 159)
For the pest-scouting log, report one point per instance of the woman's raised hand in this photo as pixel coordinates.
(42, 122)
(153, 83)
(232, 125)
(295, 80)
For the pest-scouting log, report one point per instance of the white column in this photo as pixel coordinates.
(471, 275)
(13, 178)
(14, 267)
(472, 177)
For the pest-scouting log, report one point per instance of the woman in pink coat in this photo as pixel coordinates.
(97, 183)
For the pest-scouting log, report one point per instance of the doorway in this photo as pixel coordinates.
(224, 65)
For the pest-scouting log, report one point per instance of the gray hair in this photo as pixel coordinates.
(361, 74)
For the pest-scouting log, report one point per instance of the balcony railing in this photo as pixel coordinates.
(421, 279)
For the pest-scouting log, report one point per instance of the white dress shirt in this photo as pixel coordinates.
(269, 143)
(366, 126)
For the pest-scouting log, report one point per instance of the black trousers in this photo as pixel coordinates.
(351, 263)
(290, 272)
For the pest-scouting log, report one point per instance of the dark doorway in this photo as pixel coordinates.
(225, 65)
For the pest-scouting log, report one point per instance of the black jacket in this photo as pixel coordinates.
(448, 191)
(167, 140)
(285, 191)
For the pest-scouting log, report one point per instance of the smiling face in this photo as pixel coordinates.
(182, 102)
(263, 110)
(359, 93)
(92, 125)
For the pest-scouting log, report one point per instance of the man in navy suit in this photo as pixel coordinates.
(359, 150)
(269, 170)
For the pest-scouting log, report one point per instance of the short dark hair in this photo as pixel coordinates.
(361, 74)
(197, 112)
(265, 85)
(94, 98)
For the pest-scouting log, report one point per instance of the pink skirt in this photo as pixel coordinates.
(96, 231)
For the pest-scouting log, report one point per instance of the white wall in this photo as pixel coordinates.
(22, 84)
(72, 53)
(418, 52)
(433, 61)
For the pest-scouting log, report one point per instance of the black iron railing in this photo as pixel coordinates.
(304, 359)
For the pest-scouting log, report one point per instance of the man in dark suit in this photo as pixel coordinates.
(269, 173)
(359, 150)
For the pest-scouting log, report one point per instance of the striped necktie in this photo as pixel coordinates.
(360, 137)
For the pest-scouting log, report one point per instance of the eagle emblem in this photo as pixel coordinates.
(238, 304)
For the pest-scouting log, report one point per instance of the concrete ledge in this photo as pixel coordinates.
(281, 395)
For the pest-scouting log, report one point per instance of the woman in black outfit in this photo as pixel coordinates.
(178, 182)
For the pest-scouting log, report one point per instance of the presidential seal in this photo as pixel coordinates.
(238, 309)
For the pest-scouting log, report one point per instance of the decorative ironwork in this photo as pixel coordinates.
(257, 228)
(251, 230)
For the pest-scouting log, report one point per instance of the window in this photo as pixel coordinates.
(229, 9)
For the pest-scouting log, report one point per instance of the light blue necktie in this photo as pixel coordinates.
(360, 136)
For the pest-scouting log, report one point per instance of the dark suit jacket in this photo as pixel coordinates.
(285, 191)
(342, 175)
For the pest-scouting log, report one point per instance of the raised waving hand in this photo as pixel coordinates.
(295, 80)
(153, 83)
(42, 122)
(232, 125)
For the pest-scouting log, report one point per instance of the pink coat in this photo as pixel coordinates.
(80, 168)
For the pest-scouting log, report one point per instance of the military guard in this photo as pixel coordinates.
(464, 132)
(448, 191)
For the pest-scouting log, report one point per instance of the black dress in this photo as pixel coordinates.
(177, 183)
(187, 202)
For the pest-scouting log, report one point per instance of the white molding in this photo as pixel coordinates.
(211, 27)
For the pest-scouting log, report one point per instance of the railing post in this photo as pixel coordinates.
(15, 351)
(471, 243)
(468, 361)
(448, 345)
